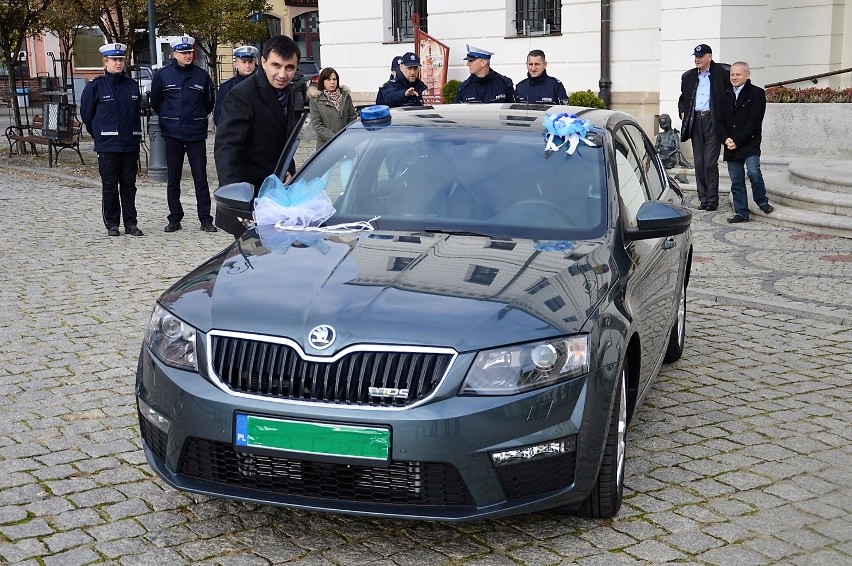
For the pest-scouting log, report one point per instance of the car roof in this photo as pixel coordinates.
(498, 116)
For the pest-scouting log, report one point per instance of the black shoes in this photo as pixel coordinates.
(172, 227)
(207, 227)
(702, 206)
(736, 218)
(133, 231)
(767, 208)
(113, 231)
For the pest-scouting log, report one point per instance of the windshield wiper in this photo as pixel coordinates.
(456, 232)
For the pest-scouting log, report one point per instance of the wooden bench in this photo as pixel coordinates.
(22, 137)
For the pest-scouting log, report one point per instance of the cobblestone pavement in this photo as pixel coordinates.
(741, 455)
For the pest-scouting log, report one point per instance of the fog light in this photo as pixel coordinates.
(157, 419)
(527, 453)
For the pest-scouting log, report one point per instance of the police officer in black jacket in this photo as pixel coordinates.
(406, 89)
(110, 109)
(539, 87)
(484, 84)
(245, 63)
(183, 95)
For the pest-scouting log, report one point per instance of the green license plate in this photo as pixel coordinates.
(366, 443)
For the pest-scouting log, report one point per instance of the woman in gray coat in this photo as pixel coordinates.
(331, 106)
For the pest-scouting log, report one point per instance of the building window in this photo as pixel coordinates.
(538, 17)
(481, 275)
(402, 11)
(86, 46)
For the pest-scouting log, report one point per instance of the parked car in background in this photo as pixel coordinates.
(310, 70)
(143, 75)
(476, 349)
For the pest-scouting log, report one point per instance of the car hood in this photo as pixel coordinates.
(459, 291)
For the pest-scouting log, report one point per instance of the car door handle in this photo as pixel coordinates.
(669, 243)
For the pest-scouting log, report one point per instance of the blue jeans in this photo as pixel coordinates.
(737, 171)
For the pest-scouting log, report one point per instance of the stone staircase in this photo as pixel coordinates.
(811, 194)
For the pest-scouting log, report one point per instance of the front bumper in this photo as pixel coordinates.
(440, 456)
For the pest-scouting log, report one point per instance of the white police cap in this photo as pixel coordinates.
(246, 52)
(113, 50)
(474, 52)
(182, 43)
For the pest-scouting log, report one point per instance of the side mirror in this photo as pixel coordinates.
(234, 203)
(657, 219)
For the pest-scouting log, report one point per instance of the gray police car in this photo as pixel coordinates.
(468, 337)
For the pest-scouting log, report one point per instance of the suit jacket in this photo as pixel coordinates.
(720, 79)
(741, 119)
(252, 132)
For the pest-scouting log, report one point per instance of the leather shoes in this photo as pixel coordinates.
(712, 207)
(113, 231)
(702, 206)
(767, 208)
(208, 227)
(172, 227)
(133, 231)
(736, 218)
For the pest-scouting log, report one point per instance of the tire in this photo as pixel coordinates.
(677, 338)
(605, 499)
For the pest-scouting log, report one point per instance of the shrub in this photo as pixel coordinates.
(448, 94)
(804, 95)
(586, 98)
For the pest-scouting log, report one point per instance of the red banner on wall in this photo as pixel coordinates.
(434, 56)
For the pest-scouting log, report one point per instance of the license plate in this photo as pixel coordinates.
(323, 440)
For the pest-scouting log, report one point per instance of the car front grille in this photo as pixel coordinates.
(156, 439)
(375, 378)
(537, 476)
(402, 483)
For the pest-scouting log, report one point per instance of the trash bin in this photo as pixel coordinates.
(23, 96)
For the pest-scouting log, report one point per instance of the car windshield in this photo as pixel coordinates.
(308, 67)
(483, 181)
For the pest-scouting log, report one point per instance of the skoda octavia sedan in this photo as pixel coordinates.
(467, 336)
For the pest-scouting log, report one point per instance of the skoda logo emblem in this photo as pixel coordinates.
(322, 336)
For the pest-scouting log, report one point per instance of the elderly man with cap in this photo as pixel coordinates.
(701, 91)
(245, 63)
(109, 107)
(484, 85)
(183, 95)
(394, 69)
(406, 89)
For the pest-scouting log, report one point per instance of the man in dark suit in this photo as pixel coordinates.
(258, 116)
(701, 89)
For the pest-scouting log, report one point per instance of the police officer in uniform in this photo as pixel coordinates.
(539, 87)
(110, 109)
(394, 69)
(484, 84)
(245, 63)
(183, 95)
(406, 89)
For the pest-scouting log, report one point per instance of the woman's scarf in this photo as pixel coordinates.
(335, 97)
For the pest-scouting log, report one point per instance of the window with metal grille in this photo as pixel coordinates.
(402, 12)
(538, 17)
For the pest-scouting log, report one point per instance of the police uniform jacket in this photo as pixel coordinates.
(741, 119)
(542, 89)
(224, 89)
(184, 98)
(393, 92)
(493, 87)
(109, 107)
(252, 132)
(325, 118)
(720, 79)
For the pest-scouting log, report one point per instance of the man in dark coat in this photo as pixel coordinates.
(257, 119)
(406, 89)
(109, 107)
(539, 87)
(184, 96)
(245, 64)
(739, 126)
(394, 69)
(701, 90)
(484, 85)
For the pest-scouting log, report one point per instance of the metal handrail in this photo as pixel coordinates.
(809, 78)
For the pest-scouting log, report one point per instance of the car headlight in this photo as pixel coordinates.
(171, 340)
(515, 369)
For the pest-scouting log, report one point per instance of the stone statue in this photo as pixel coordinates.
(668, 145)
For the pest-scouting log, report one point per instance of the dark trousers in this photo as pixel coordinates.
(118, 179)
(196, 153)
(706, 148)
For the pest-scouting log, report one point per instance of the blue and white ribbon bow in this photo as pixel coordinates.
(569, 128)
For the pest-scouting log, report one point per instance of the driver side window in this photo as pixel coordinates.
(631, 186)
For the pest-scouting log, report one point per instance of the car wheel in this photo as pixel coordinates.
(605, 499)
(678, 335)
